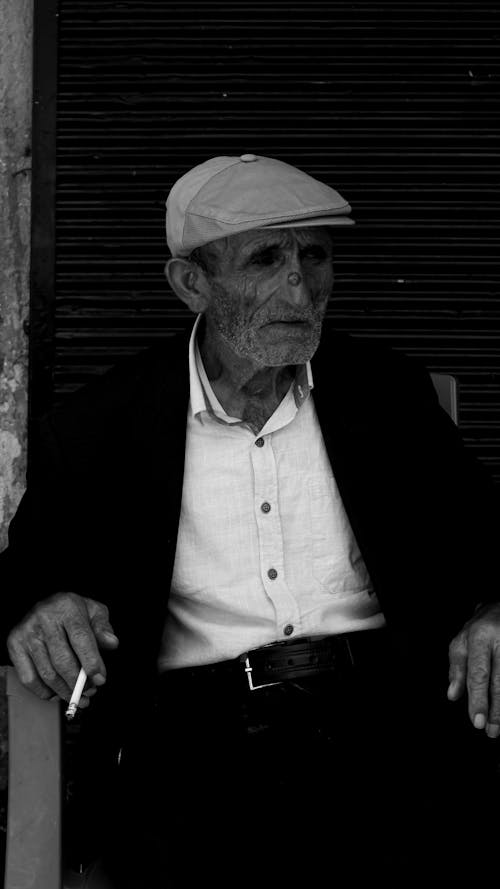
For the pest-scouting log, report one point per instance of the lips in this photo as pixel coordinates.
(294, 322)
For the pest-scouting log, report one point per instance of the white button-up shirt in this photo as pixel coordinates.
(265, 550)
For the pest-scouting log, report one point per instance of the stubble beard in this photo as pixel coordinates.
(297, 349)
(253, 344)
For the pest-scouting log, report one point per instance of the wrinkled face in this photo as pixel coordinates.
(258, 310)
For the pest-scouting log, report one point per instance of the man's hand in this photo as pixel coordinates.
(475, 665)
(57, 637)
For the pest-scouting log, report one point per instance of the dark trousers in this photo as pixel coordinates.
(361, 775)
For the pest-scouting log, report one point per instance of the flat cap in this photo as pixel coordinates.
(227, 195)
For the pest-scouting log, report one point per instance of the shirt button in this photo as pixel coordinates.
(288, 630)
(272, 574)
(266, 507)
(260, 442)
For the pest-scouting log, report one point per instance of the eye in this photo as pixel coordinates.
(268, 256)
(316, 254)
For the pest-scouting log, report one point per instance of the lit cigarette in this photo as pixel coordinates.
(77, 693)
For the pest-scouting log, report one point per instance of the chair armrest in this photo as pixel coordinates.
(34, 793)
(446, 388)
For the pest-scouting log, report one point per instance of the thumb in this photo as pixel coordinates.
(106, 638)
(458, 667)
(105, 634)
(102, 628)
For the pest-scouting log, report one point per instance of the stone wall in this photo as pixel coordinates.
(16, 33)
(16, 18)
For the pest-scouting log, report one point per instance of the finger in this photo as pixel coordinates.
(457, 673)
(84, 645)
(83, 702)
(40, 656)
(27, 673)
(493, 725)
(62, 656)
(478, 678)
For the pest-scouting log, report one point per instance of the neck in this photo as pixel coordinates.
(244, 389)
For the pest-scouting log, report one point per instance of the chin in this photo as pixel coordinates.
(281, 354)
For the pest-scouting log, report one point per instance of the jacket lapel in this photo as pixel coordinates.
(354, 440)
(167, 439)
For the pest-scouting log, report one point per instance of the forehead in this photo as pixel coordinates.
(260, 238)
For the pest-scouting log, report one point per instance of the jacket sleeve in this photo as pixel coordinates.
(467, 502)
(424, 508)
(32, 566)
(58, 535)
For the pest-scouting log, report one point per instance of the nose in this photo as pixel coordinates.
(297, 289)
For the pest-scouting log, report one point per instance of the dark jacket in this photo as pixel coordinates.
(101, 511)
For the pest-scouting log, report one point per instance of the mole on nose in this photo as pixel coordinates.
(294, 279)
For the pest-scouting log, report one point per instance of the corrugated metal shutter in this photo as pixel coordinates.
(395, 103)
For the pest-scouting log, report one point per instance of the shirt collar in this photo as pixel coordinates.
(203, 397)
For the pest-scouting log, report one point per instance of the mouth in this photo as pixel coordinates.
(297, 324)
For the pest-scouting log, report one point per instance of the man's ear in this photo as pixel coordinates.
(189, 283)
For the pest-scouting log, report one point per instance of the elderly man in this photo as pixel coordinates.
(289, 541)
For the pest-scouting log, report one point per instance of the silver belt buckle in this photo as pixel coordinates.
(252, 687)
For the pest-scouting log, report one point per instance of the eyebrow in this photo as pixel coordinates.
(263, 247)
(273, 245)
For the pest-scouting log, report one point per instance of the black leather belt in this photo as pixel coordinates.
(304, 657)
(300, 658)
